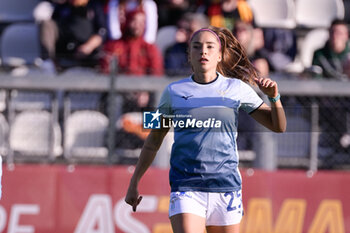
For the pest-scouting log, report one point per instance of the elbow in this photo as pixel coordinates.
(280, 126)
(280, 129)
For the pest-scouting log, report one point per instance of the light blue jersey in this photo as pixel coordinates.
(204, 155)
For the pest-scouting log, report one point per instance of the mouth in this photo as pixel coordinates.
(203, 60)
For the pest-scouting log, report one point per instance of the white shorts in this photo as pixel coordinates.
(219, 209)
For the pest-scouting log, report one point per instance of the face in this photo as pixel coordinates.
(183, 32)
(205, 53)
(78, 3)
(136, 26)
(338, 37)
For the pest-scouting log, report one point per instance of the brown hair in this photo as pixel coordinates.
(234, 62)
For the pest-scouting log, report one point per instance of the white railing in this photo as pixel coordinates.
(103, 83)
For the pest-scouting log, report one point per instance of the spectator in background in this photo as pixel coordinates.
(176, 57)
(135, 56)
(333, 60)
(75, 33)
(333, 57)
(281, 47)
(171, 11)
(116, 14)
(225, 13)
(252, 40)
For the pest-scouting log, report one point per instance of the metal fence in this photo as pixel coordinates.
(317, 137)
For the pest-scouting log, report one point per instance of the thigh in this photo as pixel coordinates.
(225, 209)
(187, 223)
(223, 229)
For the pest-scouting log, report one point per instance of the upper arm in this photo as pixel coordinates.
(155, 138)
(263, 115)
(272, 118)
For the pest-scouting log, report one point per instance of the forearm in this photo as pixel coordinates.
(148, 153)
(278, 117)
(272, 117)
(91, 44)
(145, 160)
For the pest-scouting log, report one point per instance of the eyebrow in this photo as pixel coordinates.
(209, 42)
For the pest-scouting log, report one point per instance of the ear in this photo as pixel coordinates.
(219, 60)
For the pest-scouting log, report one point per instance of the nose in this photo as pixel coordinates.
(203, 50)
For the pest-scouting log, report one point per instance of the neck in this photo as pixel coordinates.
(205, 77)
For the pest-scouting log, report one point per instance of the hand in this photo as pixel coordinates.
(133, 198)
(267, 86)
(83, 51)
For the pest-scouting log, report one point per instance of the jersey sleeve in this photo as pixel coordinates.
(250, 100)
(164, 105)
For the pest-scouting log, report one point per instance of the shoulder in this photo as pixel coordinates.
(238, 85)
(322, 51)
(347, 47)
(179, 84)
(152, 50)
(113, 44)
(183, 81)
(319, 52)
(147, 45)
(231, 80)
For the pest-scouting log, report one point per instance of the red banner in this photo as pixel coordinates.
(90, 199)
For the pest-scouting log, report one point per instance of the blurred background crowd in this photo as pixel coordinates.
(150, 37)
(284, 39)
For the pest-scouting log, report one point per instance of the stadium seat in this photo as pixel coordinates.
(4, 130)
(17, 10)
(29, 100)
(84, 135)
(3, 96)
(82, 100)
(273, 13)
(165, 37)
(318, 13)
(33, 133)
(20, 45)
(313, 40)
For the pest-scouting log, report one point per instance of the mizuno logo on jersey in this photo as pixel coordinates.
(186, 97)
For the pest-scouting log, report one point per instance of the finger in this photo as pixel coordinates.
(269, 83)
(257, 80)
(136, 203)
(139, 200)
(266, 82)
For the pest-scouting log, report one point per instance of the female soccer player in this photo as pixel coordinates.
(204, 176)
